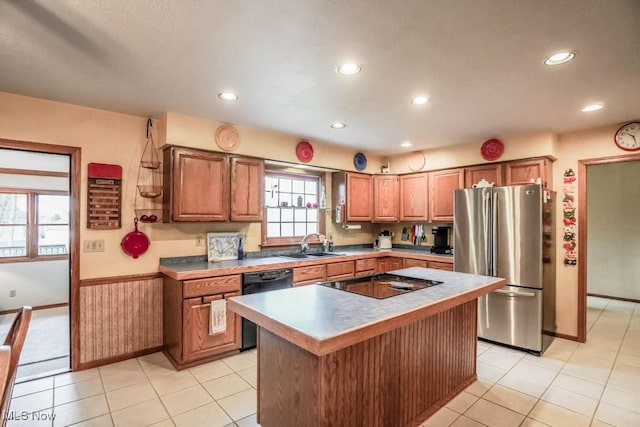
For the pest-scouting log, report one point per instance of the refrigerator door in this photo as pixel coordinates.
(497, 322)
(472, 231)
(517, 235)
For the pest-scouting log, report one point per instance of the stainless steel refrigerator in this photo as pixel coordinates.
(509, 232)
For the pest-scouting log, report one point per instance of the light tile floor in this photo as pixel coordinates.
(592, 384)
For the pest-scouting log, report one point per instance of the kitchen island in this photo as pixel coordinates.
(332, 358)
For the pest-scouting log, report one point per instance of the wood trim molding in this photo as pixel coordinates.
(38, 307)
(614, 298)
(563, 336)
(11, 171)
(582, 234)
(74, 263)
(119, 279)
(119, 358)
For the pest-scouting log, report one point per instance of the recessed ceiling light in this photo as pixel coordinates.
(420, 100)
(338, 125)
(559, 58)
(406, 144)
(228, 96)
(349, 69)
(593, 107)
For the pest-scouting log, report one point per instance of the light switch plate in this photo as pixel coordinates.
(93, 245)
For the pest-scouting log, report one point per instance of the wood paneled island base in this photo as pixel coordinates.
(398, 378)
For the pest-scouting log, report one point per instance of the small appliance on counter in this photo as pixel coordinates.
(384, 239)
(440, 240)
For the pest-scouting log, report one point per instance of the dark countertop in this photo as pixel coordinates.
(322, 320)
(201, 268)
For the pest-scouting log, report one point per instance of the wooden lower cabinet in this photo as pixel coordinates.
(340, 270)
(440, 265)
(410, 262)
(389, 263)
(309, 275)
(366, 266)
(186, 311)
(197, 343)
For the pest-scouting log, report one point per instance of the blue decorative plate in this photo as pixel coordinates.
(360, 161)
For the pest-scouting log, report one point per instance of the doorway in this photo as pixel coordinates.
(39, 242)
(606, 267)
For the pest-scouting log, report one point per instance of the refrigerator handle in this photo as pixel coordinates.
(489, 224)
(494, 235)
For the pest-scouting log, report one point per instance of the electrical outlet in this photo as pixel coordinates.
(12, 293)
(199, 239)
(93, 245)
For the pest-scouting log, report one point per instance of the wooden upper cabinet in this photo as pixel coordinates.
(247, 189)
(199, 185)
(442, 184)
(359, 200)
(491, 172)
(521, 172)
(385, 197)
(413, 197)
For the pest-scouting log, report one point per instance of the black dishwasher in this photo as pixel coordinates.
(261, 281)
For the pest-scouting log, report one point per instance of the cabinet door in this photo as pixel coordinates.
(359, 197)
(200, 190)
(413, 197)
(442, 184)
(410, 262)
(490, 173)
(309, 275)
(197, 343)
(521, 172)
(441, 265)
(385, 197)
(389, 263)
(247, 189)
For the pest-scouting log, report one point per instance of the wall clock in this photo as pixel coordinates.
(628, 137)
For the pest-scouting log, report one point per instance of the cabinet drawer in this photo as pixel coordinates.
(342, 269)
(213, 285)
(410, 262)
(441, 265)
(366, 264)
(309, 274)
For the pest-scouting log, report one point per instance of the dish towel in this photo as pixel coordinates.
(218, 319)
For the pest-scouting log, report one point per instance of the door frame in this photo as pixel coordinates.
(582, 233)
(74, 251)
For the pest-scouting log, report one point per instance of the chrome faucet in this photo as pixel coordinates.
(304, 245)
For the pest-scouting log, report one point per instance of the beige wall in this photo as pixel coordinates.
(108, 137)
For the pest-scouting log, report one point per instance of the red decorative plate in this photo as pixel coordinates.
(304, 151)
(492, 149)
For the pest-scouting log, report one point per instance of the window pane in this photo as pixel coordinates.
(53, 239)
(301, 229)
(286, 199)
(285, 185)
(312, 215)
(273, 230)
(273, 214)
(287, 229)
(287, 214)
(312, 227)
(298, 186)
(53, 209)
(13, 241)
(301, 215)
(13, 208)
(311, 187)
(271, 200)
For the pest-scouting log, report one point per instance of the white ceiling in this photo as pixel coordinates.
(480, 61)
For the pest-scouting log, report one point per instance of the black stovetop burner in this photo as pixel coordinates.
(381, 286)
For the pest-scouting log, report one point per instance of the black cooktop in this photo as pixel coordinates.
(381, 286)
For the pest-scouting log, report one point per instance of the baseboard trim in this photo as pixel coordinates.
(119, 279)
(563, 336)
(38, 307)
(119, 358)
(614, 298)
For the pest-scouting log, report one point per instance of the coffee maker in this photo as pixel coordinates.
(440, 240)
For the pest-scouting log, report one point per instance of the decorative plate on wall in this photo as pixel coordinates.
(416, 161)
(304, 151)
(227, 137)
(492, 149)
(360, 161)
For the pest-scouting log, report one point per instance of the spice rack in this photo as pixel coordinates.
(148, 199)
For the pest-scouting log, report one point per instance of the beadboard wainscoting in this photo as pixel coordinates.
(120, 318)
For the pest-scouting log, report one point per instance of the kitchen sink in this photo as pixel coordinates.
(312, 255)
